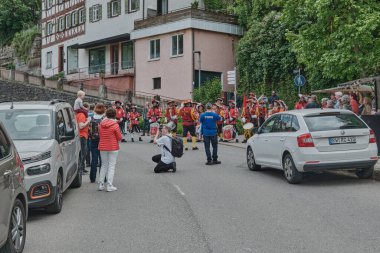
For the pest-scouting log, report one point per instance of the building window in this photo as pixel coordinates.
(127, 55)
(95, 13)
(49, 57)
(74, 18)
(61, 24)
(82, 16)
(49, 28)
(97, 60)
(68, 21)
(49, 4)
(114, 8)
(60, 1)
(72, 60)
(132, 5)
(155, 49)
(177, 45)
(157, 83)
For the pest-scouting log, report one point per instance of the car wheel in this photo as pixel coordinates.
(251, 160)
(56, 207)
(17, 230)
(290, 171)
(77, 183)
(365, 173)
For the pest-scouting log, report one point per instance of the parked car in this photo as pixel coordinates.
(13, 199)
(313, 140)
(47, 138)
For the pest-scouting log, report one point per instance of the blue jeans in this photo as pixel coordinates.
(95, 159)
(82, 158)
(214, 142)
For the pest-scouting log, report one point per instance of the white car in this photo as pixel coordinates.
(313, 140)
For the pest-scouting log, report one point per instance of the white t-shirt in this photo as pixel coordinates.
(166, 156)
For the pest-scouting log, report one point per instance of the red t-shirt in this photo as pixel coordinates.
(81, 118)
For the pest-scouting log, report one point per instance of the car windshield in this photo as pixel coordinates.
(333, 121)
(27, 124)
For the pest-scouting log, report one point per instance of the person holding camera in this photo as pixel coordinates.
(165, 161)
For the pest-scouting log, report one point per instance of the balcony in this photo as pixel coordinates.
(182, 14)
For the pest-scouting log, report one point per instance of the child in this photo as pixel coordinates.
(78, 104)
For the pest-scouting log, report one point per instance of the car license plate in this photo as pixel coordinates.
(342, 140)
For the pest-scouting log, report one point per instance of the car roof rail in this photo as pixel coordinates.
(57, 100)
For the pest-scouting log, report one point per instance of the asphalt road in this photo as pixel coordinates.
(219, 208)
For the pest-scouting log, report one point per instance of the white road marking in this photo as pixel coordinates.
(179, 190)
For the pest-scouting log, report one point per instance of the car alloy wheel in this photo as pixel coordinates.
(251, 160)
(17, 229)
(292, 175)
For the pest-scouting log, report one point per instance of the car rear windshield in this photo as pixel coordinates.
(333, 121)
(27, 124)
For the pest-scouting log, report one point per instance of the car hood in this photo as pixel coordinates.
(32, 147)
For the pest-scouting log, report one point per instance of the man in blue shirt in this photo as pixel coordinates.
(208, 127)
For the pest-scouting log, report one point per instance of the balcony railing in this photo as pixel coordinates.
(181, 14)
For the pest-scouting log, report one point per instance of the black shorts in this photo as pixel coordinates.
(187, 129)
(135, 129)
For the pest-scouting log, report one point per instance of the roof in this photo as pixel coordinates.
(305, 112)
(29, 105)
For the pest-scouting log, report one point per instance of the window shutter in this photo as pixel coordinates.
(91, 14)
(119, 7)
(109, 14)
(100, 10)
(126, 6)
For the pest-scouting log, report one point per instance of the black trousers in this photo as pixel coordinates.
(161, 166)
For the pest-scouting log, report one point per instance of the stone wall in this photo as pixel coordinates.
(6, 55)
(24, 92)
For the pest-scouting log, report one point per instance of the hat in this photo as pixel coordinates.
(200, 104)
(171, 125)
(188, 101)
(133, 107)
(219, 99)
(231, 101)
(155, 101)
(118, 102)
(171, 101)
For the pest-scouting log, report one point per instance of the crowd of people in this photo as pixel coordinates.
(102, 126)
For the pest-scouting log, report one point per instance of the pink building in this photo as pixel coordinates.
(168, 47)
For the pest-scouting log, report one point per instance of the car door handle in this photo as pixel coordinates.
(7, 173)
(282, 139)
(266, 139)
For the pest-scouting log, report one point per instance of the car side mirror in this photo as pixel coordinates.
(70, 133)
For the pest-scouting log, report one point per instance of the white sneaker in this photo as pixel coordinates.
(101, 187)
(111, 188)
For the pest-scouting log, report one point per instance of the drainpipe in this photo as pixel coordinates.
(193, 64)
(143, 9)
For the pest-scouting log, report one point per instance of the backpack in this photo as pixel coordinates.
(94, 128)
(177, 147)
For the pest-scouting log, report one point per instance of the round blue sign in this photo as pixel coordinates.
(299, 80)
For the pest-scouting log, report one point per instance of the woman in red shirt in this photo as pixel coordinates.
(109, 137)
(354, 103)
(301, 103)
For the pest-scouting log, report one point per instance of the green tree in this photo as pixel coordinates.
(15, 15)
(23, 42)
(208, 92)
(336, 40)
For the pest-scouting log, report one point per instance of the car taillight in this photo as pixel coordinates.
(20, 165)
(372, 137)
(305, 141)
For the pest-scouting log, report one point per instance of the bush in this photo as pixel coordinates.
(23, 42)
(208, 92)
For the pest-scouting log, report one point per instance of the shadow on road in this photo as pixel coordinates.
(323, 179)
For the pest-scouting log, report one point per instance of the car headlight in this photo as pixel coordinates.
(38, 170)
(37, 158)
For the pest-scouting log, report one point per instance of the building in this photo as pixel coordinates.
(130, 44)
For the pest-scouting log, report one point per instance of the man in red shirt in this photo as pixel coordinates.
(120, 114)
(83, 123)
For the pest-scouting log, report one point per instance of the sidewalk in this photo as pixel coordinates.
(376, 174)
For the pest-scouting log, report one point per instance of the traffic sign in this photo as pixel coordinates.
(231, 77)
(299, 80)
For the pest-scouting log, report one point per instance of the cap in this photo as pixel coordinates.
(208, 106)
(171, 125)
(188, 101)
(117, 102)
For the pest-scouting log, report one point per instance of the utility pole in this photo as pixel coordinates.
(199, 70)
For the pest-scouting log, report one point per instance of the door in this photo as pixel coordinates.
(70, 145)
(280, 132)
(61, 130)
(262, 146)
(114, 59)
(61, 58)
(6, 173)
(162, 7)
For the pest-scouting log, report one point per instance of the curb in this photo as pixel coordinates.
(230, 145)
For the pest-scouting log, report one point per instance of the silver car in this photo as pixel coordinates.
(46, 135)
(13, 200)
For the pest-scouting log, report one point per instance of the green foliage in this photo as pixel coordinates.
(57, 76)
(179, 127)
(15, 15)
(23, 42)
(208, 92)
(335, 40)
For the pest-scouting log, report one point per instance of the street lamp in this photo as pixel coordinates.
(199, 70)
